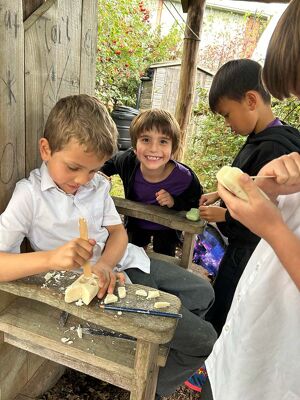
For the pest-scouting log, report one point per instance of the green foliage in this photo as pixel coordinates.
(127, 46)
(211, 144)
(288, 111)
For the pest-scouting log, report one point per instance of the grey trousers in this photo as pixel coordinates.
(194, 337)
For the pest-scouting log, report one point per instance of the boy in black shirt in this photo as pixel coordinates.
(237, 93)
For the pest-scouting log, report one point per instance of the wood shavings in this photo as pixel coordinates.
(161, 304)
(79, 331)
(122, 292)
(141, 292)
(110, 298)
(153, 294)
(65, 339)
(49, 275)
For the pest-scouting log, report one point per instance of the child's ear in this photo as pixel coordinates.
(45, 150)
(251, 99)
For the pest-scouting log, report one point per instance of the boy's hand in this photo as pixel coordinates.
(258, 214)
(107, 278)
(208, 198)
(164, 198)
(212, 213)
(286, 170)
(71, 255)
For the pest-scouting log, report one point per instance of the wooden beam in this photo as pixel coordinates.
(269, 1)
(185, 5)
(29, 6)
(189, 67)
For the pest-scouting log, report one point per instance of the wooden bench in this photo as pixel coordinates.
(30, 334)
(170, 218)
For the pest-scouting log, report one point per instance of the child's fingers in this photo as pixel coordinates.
(292, 166)
(121, 278)
(112, 282)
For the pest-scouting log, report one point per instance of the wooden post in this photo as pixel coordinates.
(145, 371)
(159, 12)
(189, 67)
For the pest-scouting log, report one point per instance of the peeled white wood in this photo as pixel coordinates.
(84, 288)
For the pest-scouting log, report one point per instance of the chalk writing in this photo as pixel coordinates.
(51, 90)
(56, 33)
(7, 158)
(88, 42)
(9, 82)
(11, 21)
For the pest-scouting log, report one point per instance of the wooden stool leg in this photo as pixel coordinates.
(21, 371)
(187, 250)
(13, 361)
(145, 371)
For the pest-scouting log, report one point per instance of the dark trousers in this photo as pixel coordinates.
(164, 241)
(194, 337)
(231, 268)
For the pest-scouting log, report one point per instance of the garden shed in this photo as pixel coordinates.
(161, 89)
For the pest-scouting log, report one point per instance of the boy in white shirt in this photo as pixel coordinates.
(79, 137)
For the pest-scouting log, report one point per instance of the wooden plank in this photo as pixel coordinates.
(12, 122)
(52, 63)
(5, 300)
(22, 397)
(27, 328)
(44, 378)
(161, 215)
(153, 329)
(88, 46)
(13, 370)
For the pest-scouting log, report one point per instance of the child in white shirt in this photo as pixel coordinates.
(79, 137)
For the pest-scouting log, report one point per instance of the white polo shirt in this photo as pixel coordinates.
(49, 217)
(257, 356)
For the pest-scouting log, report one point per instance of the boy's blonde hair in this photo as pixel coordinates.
(160, 120)
(281, 72)
(85, 119)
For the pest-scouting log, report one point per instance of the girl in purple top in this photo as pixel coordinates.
(151, 176)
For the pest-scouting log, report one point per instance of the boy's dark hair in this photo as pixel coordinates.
(281, 71)
(234, 79)
(161, 120)
(85, 119)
